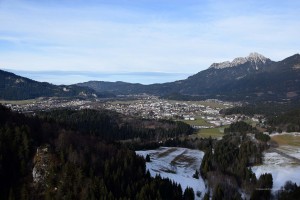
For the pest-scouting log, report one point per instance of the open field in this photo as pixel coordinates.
(287, 139)
(290, 150)
(282, 169)
(210, 132)
(182, 158)
(283, 161)
(212, 104)
(177, 164)
(20, 102)
(251, 122)
(197, 122)
(166, 153)
(204, 103)
(125, 102)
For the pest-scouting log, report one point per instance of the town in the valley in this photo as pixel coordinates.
(199, 114)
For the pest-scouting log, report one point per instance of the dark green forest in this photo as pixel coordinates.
(269, 109)
(240, 127)
(71, 163)
(227, 163)
(289, 121)
(112, 126)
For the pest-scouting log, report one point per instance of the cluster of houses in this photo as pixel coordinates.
(146, 106)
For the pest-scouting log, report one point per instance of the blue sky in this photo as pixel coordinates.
(140, 40)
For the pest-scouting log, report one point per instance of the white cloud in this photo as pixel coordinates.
(111, 38)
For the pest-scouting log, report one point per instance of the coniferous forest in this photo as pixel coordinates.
(45, 159)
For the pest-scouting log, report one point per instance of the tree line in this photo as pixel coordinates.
(289, 121)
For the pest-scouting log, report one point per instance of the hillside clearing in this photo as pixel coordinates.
(197, 122)
(211, 132)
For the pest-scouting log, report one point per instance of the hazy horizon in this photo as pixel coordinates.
(73, 77)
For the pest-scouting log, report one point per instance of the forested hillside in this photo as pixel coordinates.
(252, 79)
(111, 126)
(227, 163)
(289, 121)
(13, 87)
(269, 109)
(43, 159)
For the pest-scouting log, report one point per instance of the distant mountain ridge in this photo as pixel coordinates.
(251, 78)
(14, 87)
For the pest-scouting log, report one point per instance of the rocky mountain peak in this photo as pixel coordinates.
(256, 57)
(253, 57)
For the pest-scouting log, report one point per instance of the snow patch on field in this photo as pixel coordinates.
(290, 150)
(286, 133)
(282, 169)
(177, 164)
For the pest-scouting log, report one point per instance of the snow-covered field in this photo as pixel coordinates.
(290, 150)
(283, 169)
(280, 162)
(178, 164)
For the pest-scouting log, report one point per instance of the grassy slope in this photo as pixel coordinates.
(197, 122)
(287, 139)
(18, 102)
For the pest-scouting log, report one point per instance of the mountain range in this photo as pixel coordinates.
(14, 87)
(251, 78)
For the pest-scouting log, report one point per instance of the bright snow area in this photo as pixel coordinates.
(283, 169)
(177, 164)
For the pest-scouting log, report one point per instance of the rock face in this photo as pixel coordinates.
(42, 160)
(254, 58)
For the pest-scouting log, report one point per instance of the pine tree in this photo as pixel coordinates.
(188, 194)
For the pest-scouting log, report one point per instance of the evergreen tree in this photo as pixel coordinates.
(188, 194)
